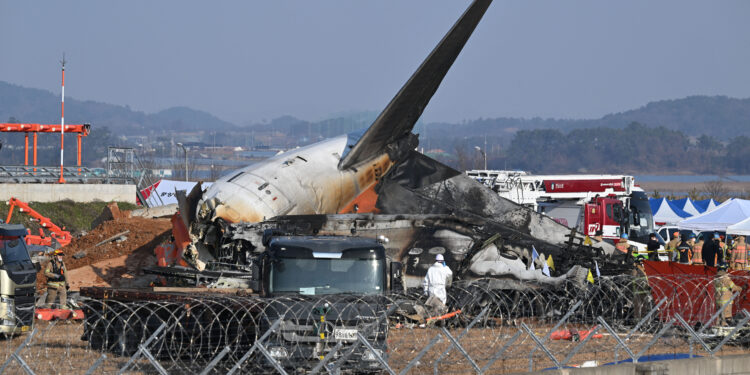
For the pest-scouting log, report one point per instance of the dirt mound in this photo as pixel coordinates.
(113, 260)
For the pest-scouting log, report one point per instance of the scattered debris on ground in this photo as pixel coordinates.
(113, 253)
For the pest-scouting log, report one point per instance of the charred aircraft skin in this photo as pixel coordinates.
(424, 206)
(475, 249)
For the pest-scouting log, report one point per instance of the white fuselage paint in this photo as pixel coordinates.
(305, 180)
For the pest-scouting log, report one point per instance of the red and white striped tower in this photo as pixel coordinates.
(62, 122)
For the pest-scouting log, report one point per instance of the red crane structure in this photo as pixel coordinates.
(82, 130)
(56, 234)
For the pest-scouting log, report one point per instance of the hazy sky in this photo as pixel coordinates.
(252, 60)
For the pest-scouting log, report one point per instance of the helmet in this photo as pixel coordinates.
(692, 235)
(640, 259)
(58, 252)
(722, 266)
(439, 258)
(624, 236)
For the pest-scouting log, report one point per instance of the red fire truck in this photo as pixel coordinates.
(613, 204)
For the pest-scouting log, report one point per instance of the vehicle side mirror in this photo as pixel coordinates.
(396, 275)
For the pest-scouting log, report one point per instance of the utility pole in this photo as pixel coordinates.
(484, 154)
(62, 122)
(186, 160)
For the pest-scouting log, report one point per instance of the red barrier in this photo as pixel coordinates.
(690, 290)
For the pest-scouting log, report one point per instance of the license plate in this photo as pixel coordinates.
(24, 328)
(344, 334)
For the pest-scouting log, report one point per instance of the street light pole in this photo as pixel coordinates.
(483, 154)
(186, 160)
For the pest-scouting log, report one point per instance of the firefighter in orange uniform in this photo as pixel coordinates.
(723, 289)
(739, 254)
(57, 280)
(672, 246)
(697, 250)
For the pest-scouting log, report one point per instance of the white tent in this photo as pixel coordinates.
(686, 204)
(742, 228)
(728, 213)
(668, 213)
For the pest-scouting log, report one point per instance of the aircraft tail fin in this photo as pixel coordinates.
(399, 116)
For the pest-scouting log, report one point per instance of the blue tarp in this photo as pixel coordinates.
(705, 204)
(667, 212)
(687, 205)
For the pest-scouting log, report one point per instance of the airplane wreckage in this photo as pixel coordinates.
(374, 184)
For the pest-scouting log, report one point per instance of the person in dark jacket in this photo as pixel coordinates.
(712, 254)
(684, 251)
(652, 247)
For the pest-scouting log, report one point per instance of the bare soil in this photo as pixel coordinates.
(114, 260)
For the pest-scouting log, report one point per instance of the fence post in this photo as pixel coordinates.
(502, 350)
(15, 356)
(733, 332)
(244, 358)
(473, 322)
(617, 338)
(96, 364)
(375, 353)
(421, 354)
(640, 323)
(540, 344)
(141, 347)
(559, 323)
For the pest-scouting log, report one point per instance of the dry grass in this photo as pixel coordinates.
(57, 349)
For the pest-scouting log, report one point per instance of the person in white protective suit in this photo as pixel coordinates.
(438, 276)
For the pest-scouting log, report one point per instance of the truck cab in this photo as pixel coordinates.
(308, 265)
(325, 290)
(17, 281)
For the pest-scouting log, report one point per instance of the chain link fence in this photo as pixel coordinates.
(490, 328)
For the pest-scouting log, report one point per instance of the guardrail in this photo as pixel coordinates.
(20, 174)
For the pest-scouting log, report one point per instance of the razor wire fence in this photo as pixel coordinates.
(490, 327)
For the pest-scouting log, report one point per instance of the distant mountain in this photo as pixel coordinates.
(718, 116)
(41, 106)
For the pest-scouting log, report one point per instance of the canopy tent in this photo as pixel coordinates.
(741, 228)
(728, 213)
(654, 203)
(704, 205)
(686, 204)
(667, 212)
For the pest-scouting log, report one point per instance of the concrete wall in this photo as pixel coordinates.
(74, 192)
(731, 364)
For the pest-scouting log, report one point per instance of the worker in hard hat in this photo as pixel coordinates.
(640, 289)
(57, 279)
(723, 290)
(623, 243)
(438, 276)
(697, 250)
(672, 246)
